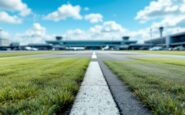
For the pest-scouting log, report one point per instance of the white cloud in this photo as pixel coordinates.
(4, 34)
(36, 34)
(15, 5)
(169, 12)
(94, 18)
(107, 31)
(36, 30)
(112, 26)
(156, 9)
(6, 18)
(64, 12)
(76, 34)
(170, 21)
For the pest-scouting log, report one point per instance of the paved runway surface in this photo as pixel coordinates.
(104, 55)
(94, 97)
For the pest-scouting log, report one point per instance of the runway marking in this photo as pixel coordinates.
(94, 55)
(94, 97)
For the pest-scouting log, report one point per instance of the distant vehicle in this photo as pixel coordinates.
(106, 48)
(124, 47)
(31, 49)
(75, 48)
(34, 49)
(157, 48)
(179, 48)
(78, 48)
(143, 48)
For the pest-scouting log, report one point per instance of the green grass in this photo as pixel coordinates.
(170, 61)
(159, 83)
(39, 86)
(163, 52)
(24, 53)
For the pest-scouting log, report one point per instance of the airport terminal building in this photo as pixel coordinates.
(91, 44)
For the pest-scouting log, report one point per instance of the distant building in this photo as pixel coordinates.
(91, 44)
(4, 42)
(168, 41)
(15, 46)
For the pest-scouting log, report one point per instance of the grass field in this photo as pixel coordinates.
(24, 53)
(158, 82)
(39, 86)
(163, 52)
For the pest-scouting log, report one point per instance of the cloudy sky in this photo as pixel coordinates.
(32, 21)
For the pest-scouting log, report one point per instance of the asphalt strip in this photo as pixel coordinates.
(94, 97)
(127, 103)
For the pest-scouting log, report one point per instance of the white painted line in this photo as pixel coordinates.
(94, 55)
(94, 97)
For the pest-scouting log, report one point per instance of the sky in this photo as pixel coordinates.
(34, 21)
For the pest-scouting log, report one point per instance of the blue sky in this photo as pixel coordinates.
(135, 17)
(121, 11)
